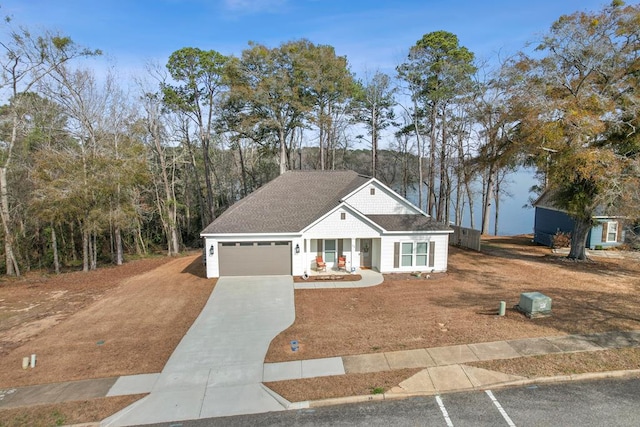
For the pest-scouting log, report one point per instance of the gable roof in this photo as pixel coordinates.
(547, 201)
(288, 203)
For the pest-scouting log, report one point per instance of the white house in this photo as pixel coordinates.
(283, 226)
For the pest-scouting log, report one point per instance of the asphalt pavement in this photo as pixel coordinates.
(613, 402)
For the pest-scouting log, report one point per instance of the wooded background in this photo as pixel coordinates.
(91, 170)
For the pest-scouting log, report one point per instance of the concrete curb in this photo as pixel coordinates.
(284, 402)
(347, 399)
(518, 383)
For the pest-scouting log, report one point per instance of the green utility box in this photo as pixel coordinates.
(534, 304)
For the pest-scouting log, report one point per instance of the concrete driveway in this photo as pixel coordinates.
(217, 368)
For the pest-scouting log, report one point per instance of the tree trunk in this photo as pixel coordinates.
(54, 248)
(170, 204)
(72, 234)
(139, 238)
(119, 251)
(85, 250)
(578, 249)
(497, 211)
(419, 148)
(204, 221)
(470, 200)
(442, 190)
(486, 208)
(283, 151)
(432, 163)
(321, 137)
(94, 250)
(374, 142)
(243, 171)
(11, 263)
(207, 178)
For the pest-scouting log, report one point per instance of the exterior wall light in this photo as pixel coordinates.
(211, 250)
(297, 248)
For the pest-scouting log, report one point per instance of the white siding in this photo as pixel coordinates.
(440, 258)
(312, 252)
(376, 260)
(333, 227)
(297, 260)
(213, 269)
(380, 203)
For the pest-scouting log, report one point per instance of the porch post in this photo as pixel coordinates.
(353, 248)
(305, 255)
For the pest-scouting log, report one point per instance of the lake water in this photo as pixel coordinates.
(514, 218)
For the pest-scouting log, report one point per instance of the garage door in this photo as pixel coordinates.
(254, 258)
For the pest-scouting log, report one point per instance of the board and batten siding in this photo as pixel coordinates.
(381, 202)
(440, 254)
(334, 227)
(598, 234)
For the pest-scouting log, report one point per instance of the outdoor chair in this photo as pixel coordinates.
(320, 264)
(342, 263)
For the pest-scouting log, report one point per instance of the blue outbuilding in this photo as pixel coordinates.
(549, 220)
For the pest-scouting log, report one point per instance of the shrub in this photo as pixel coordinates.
(561, 240)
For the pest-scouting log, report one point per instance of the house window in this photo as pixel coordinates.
(343, 215)
(407, 254)
(372, 191)
(611, 231)
(421, 254)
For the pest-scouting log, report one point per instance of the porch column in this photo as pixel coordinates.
(305, 256)
(352, 241)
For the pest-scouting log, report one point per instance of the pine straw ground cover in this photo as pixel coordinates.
(460, 307)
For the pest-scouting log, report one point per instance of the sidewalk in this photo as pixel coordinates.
(444, 370)
(369, 278)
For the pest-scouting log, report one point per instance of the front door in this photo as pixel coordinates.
(330, 252)
(365, 253)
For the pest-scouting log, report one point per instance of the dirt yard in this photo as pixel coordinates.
(128, 319)
(460, 306)
(109, 322)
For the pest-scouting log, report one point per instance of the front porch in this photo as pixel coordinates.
(358, 253)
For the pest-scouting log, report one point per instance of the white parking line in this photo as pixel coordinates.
(502, 411)
(445, 414)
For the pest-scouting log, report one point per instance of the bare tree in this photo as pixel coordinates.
(27, 59)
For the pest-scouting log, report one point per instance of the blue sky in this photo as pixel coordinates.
(373, 34)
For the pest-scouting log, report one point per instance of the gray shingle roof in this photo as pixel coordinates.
(407, 223)
(546, 200)
(288, 203)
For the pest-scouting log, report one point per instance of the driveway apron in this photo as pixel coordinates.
(217, 368)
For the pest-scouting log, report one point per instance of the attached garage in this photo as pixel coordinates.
(255, 258)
